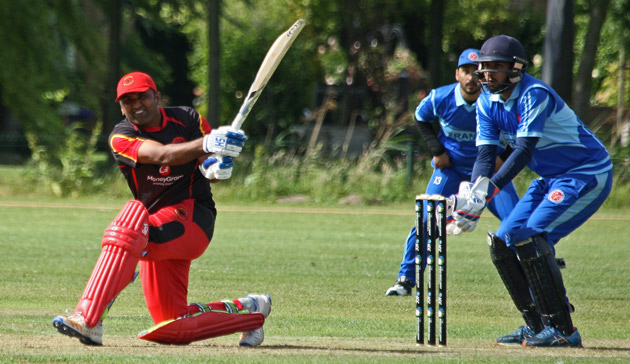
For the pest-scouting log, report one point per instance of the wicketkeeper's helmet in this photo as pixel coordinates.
(503, 48)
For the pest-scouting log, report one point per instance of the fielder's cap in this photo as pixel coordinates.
(134, 82)
(469, 56)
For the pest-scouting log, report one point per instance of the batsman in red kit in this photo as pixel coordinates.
(167, 155)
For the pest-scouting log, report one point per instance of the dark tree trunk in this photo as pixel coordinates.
(214, 63)
(558, 67)
(436, 20)
(111, 111)
(584, 80)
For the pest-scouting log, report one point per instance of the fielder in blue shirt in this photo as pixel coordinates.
(575, 178)
(454, 152)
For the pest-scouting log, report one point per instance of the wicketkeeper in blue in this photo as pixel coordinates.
(454, 152)
(575, 178)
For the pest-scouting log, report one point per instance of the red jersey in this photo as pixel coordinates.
(159, 186)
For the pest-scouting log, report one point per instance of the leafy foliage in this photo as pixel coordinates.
(55, 51)
(46, 45)
(614, 35)
(78, 163)
(375, 177)
(247, 31)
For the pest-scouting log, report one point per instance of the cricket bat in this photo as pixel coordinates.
(273, 58)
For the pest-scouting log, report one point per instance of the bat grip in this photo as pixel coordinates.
(237, 122)
(236, 126)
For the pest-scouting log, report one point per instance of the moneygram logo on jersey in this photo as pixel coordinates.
(165, 171)
(163, 181)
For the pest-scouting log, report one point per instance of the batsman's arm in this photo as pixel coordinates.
(513, 165)
(223, 141)
(153, 152)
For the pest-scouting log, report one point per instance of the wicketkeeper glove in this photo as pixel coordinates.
(224, 141)
(217, 167)
(469, 202)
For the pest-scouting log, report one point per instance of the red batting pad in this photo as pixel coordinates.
(123, 242)
(201, 326)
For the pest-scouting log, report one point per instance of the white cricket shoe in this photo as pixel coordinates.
(255, 303)
(75, 326)
(402, 287)
(252, 338)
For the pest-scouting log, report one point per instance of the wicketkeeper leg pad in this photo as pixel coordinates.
(123, 243)
(200, 326)
(545, 282)
(514, 279)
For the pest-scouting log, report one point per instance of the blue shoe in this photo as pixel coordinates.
(552, 337)
(517, 337)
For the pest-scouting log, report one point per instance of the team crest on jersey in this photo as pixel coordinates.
(178, 140)
(556, 196)
(165, 170)
(181, 212)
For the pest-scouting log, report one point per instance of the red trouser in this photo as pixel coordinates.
(175, 239)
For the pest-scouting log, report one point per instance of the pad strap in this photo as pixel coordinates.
(514, 279)
(545, 281)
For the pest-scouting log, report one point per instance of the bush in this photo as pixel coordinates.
(72, 168)
(376, 177)
(373, 177)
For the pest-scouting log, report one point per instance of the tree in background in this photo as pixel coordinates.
(584, 79)
(76, 50)
(47, 49)
(50, 52)
(599, 76)
(247, 31)
(559, 35)
(214, 63)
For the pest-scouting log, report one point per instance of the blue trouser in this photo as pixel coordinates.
(446, 182)
(554, 207)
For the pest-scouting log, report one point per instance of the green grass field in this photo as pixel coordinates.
(326, 269)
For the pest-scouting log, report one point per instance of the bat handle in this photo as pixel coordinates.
(238, 122)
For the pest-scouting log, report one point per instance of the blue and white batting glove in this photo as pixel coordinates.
(225, 141)
(217, 167)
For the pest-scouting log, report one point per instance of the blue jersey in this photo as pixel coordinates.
(565, 144)
(457, 123)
